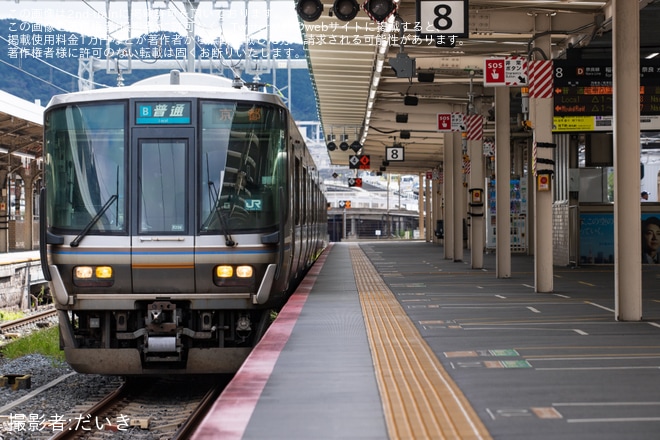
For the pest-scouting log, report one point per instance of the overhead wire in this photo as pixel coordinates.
(43, 62)
(178, 14)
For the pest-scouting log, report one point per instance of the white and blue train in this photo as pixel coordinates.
(177, 214)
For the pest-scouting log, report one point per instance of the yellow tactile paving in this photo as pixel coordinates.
(420, 400)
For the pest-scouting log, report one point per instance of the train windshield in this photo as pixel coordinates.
(88, 176)
(240, 172)
(238, 160)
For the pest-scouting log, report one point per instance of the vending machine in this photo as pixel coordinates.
(517, 210)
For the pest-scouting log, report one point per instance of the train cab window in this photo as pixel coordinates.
(88, 177)
(238, 179)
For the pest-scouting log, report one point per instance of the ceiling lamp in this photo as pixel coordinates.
(309, 10)
(426, 76)
(379, 10)
(410, 100)
(345, 10)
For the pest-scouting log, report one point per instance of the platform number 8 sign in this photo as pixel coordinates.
(394, 154)
(438, 17)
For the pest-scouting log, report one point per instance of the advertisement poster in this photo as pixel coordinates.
(597, 238)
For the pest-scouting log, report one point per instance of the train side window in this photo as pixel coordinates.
(296, 192)
(304, 195)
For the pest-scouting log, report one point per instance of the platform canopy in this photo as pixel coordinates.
(21, 131)
(361, 71)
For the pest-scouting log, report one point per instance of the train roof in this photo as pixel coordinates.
(199, 85)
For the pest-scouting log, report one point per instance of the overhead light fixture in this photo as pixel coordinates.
(425, 76)
(379, 10)
(410, 100)
(345, 10)
(402, 117)
(309, 10)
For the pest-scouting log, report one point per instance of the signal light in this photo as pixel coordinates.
(379, 10)
(345, 10)
(309, 10)
(355, 182)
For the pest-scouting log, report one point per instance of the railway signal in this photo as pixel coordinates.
(355, 182)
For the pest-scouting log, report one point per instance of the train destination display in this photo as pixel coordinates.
(584, 88)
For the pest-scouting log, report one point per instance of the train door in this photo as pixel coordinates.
(163, 236)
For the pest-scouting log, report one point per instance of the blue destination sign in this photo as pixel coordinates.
(162, 113)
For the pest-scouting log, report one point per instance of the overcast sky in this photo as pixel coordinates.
(89, 18)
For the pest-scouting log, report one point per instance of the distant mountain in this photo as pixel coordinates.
(38, 62)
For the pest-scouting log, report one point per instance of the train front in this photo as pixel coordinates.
(165, 219)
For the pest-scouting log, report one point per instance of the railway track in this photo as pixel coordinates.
(140, 408)
(45, 316)
(149, 408)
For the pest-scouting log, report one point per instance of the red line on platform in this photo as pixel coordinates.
(231, 413)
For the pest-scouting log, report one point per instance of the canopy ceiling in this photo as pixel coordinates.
(359, 94)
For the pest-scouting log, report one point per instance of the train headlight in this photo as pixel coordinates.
(93, 276)
(83, 272)
(233, 276)
(224, 271)
(244, 272)
(103, 272)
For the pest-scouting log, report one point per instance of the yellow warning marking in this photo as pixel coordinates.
(420, 400)
(546, 413)
(586, 284)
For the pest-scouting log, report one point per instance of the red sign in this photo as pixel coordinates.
(494, 71)
(543, 182)
(509, 71)
(444, 121)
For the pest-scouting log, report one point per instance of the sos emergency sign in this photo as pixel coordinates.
(509, 71)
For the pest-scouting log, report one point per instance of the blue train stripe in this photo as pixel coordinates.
(128, 253)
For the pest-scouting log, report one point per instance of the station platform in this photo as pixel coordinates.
(18, 257)
(390, 340)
